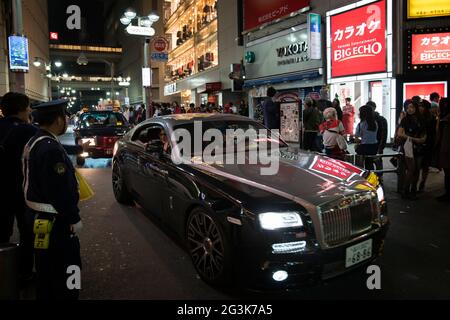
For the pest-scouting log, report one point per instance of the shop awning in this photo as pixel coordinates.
(298, 76)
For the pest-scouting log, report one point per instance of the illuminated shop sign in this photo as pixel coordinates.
(18, 54)
(296, 52)
(357, 40)
(430, 48)
(259, 12)
(424, 89)
(428, 8)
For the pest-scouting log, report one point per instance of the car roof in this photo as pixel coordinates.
(185, 118)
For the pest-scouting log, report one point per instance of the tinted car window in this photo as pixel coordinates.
(260, 140)
(102, 119)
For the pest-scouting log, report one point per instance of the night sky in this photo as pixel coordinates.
(92, 21)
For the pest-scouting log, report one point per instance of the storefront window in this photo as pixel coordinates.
(207, 52)
(193, 38)
(182, 66)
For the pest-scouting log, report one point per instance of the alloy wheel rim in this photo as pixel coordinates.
(117, 180)
(205, 245)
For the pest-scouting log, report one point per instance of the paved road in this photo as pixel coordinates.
(128, 255)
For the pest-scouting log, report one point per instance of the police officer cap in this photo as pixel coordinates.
(51, 105)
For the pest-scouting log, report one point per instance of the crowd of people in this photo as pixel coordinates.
(136, 115)
(422, 136)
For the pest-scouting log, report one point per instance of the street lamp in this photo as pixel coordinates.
(38, 62)
(143, 28)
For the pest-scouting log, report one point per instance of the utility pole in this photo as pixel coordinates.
(17, 79)
(147, 91)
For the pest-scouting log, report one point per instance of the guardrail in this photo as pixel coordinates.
(360, 161)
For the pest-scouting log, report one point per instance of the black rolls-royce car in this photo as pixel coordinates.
(315, 219)
(97, 132)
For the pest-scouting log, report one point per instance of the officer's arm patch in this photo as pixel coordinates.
(60, 168)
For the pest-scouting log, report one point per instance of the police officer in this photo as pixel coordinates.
(15, 132)
(51, 194)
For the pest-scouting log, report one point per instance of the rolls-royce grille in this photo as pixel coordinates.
(342, 224)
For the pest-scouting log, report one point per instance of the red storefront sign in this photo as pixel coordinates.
(54, 36)
(424, 89)
(258, 12)
(331, 168)
(358, 40)
(430, 48)
(214, 86)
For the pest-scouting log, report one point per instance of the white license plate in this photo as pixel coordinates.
(358, 253)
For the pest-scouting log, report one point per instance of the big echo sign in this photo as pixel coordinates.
(358, 40)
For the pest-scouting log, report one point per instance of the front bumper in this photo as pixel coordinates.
(309, 267)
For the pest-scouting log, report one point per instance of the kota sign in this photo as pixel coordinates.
(428, 9)
(358, 40)
(430, 48)
(258, 12)
(18, 54)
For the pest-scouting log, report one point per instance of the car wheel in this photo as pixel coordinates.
(81, 161)
(208, 248)
(120, 191)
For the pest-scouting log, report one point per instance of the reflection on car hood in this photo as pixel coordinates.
(304, 176)
(103, 131)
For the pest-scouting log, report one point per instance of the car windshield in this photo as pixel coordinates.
(102, 119)
(235, 136)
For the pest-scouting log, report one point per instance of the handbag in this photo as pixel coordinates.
(409, 148)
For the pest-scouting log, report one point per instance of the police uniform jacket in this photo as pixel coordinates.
(51, 180)
(14, 135)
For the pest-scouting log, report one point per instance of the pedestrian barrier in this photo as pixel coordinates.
(360, 161)
(9, 289)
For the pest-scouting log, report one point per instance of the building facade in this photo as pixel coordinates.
(424, 49)
(204, 45)
(308, 48)
(32, 20)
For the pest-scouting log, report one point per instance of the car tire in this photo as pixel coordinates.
(119, 188)
(209, 248)
(81, 161)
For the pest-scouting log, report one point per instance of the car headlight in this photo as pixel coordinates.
(279, 220)
(89, 141)
(380, 194)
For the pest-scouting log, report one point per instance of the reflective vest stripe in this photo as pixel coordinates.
(41, 207)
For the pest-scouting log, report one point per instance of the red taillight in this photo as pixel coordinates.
(106, 141)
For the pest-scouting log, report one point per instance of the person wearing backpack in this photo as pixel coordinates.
(15, 132)
(333, 132)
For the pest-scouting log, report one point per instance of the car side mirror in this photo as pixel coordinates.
(155, 147)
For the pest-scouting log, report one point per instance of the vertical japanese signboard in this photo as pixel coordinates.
(357, 40)
(18, 54)
(314, 36)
